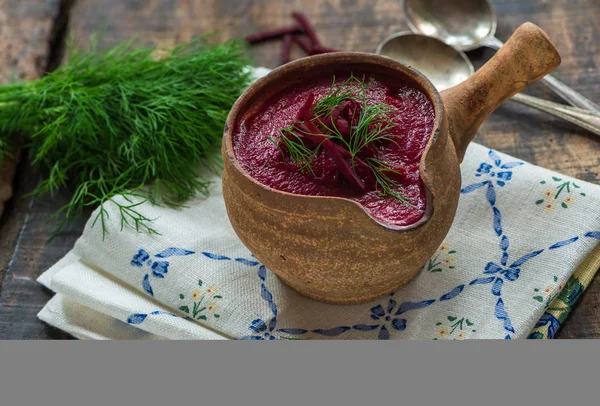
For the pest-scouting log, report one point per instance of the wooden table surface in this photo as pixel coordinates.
(36, 27)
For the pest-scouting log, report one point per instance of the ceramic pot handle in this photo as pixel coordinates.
(526, 57)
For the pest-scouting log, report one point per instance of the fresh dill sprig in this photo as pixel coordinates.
(298, 151)
(373, 125)
(374, 121)
(123, 122)
(336, 95)
(388, 185)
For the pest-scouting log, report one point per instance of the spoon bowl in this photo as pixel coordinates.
(470, 24)
(464, 24)
(445, 66)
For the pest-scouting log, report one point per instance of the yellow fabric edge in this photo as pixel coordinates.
(556, 314)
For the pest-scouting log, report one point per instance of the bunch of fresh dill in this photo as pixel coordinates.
(124, 121)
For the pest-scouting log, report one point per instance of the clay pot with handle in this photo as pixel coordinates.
(329, 248)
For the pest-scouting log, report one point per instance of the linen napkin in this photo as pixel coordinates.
(519, 235)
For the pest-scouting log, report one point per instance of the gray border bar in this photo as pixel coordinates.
(299, 373)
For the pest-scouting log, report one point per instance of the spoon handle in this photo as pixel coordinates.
(569, 95)
(581, 117)
(574, 98)
(492, 42)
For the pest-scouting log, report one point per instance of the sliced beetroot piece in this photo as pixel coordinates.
(338, 110)
(273, 34)
(304, 113)
(303, 43)
(344, 160)
(308, 28)
(311, 132)
(339, 155)
(286, 48)
(366, 174)
(335, 113)
(358, 162)
(326, 123)
(351, 112)
(343, 165)
(308, 135)
(342, 126)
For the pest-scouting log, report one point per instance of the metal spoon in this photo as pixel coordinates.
(446, 67)
(470, 24)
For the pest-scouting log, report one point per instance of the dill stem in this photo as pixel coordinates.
(8, 103)
(11, 87)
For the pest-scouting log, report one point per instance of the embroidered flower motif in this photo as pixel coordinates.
(549, 290)
(160, 269)
(497, 171)
(449, 261)
(511, 274)
(458, 325)
(211, 290)
(441, 259)
(443, 332)
(195, 309)
(501, 273)
(386, 314)
(501, 177)
(549, 207)
(261, 330)
(141, 258)
(157, 268)
(196, 295)
(550, 194)
(563, 194)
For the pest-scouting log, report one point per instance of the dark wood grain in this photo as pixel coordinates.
(25, 29)
(355, 25)
(28, 28)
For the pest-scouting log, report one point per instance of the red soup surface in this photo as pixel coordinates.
(409, 124)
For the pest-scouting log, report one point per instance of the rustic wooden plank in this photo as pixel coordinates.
(27, 28)
(350, 25)
(7, 173)
(22, 297)
(23, 55)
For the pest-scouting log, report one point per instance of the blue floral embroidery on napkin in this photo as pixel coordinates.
(497, 171)
(387, 313)
(261, 330)
(158, 269)
(139, 318)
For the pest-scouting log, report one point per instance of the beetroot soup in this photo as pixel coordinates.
(354, 136)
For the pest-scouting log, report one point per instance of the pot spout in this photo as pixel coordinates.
(527, 56)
